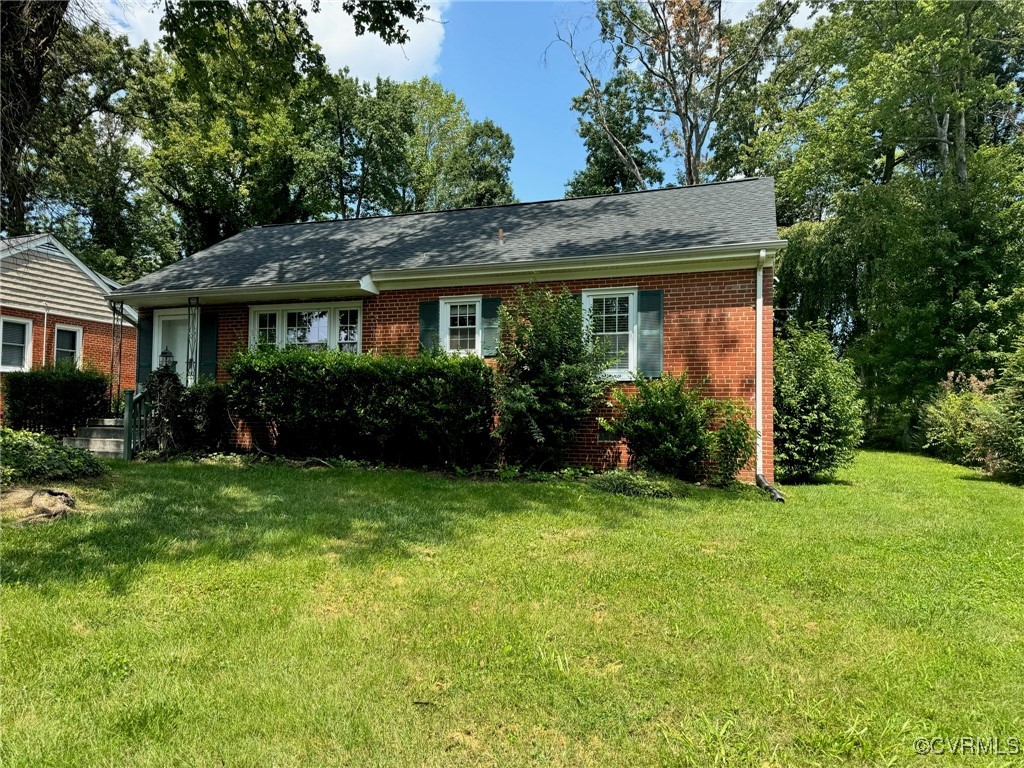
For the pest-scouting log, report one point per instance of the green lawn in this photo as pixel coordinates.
(253, 616)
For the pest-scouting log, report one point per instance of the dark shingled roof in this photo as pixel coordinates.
(334, 251)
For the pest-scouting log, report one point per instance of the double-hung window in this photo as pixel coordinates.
(612, 314)
(67, 344)
(461, 325)
(16, 352)
(315, 326)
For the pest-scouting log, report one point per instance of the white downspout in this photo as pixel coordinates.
(759, 363)
(46, 328)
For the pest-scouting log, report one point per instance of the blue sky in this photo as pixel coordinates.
(491, 54)
(494, 58)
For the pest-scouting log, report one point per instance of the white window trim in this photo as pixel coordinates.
(443, 318)
(333, 326)
(632, 363)
(79, 332)
(27, 360)
(158, 345)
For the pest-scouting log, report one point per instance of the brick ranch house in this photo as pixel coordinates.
(53, 308)
(676, 279)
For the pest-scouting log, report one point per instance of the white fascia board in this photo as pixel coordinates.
(243, 294)
(735, 256)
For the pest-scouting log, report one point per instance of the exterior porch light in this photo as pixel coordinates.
(167, 359)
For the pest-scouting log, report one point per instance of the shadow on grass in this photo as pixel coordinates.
(981, 477)
(818, 481)
(165, 513)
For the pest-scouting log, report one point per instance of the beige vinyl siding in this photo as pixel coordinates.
(35, 277)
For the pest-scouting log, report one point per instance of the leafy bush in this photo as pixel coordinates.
(1006, 434)
(193, 419)
(956, 423)
(627, 483)
(54, 399)
(674, 429)
(818, 412)
(432, 410)
(36, 457)
(548, 376)
(734, 442)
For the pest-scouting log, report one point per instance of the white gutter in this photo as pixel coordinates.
(759, 363)
(663, 257)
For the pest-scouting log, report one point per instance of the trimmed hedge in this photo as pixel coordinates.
(433, 410)
(54, 399)
(35, 457)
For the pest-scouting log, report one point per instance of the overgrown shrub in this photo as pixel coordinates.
(1006, 434)
(54, 399)
(548, 376)
(676, 429)
(628, 483)
(818, 412)
(185, 419)
(955, 425)
(432, 410)
(36, 457)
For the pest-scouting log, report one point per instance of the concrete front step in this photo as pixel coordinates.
(106, 423)
(97, 445)
(108, 454)
(103, 432)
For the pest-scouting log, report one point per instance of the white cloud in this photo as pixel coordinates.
(735, 10)
(366, 56)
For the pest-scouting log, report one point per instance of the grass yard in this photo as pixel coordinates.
(203, 615)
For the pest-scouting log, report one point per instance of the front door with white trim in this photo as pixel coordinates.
(170, 331)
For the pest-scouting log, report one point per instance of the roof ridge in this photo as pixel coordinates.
(610, 195)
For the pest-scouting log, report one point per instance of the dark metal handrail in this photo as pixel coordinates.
(138, 407)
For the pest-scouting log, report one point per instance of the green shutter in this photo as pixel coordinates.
(650, 322)
(430, 325)
(144, 349)
(208, 345)
(489, 309)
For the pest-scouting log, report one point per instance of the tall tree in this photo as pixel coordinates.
(30, 31)
(196, 32)
(690, 57)
(615, 127)
(904, 165)
(441, 122)
(482, 167)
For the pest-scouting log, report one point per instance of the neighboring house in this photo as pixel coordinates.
(677, 280)
(53, 308)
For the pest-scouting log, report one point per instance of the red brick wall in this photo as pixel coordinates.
(709, 331)
(95, 342)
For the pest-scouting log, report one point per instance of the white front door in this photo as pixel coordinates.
(170, 331)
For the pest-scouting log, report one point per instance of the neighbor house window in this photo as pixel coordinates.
(67, 344)
(461, 325)
(315, 326)
(613, 319)
(16, 353)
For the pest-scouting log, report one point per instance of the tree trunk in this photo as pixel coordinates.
(961, 148)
